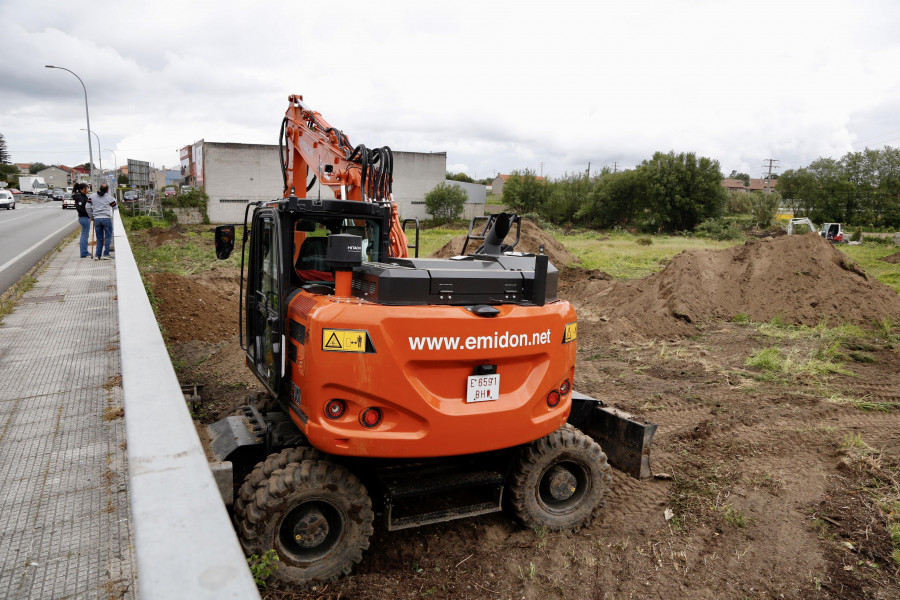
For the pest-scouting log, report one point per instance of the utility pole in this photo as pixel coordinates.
(542, 168)
(771, 165)
(615, 166)
(589, 171)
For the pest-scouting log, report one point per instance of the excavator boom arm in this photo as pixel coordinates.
(311, 146)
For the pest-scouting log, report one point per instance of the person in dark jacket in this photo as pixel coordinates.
(84, 219)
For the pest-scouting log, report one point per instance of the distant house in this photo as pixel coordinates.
(24, 168)
(56, 177)
(756, 185)
(500, 180)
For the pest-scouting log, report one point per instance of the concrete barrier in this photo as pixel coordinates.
(185, 544)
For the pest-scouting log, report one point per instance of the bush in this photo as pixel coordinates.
(141, 222)
(763, 207)
(857, 235)
(445, 202)
(718, 229)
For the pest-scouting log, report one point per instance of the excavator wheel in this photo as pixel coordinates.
(263, 470)
(316, 515)
(559, 481)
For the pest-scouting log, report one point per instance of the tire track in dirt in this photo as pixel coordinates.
(631, 502)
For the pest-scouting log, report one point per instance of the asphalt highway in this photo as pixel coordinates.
(28, 233)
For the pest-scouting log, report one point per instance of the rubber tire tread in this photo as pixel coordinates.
(263, 470)
(571, 444)
(258, 533)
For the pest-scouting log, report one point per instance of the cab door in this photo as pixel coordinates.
(265, 319)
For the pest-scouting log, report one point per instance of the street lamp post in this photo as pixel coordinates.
(87, 116)
(116, 162)
(99, 156)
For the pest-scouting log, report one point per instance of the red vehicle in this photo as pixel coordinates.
(425, 389)
(170, 192)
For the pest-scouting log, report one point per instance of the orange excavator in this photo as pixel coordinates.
(417, 389)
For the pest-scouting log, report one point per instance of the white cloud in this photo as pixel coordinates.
(498, 86)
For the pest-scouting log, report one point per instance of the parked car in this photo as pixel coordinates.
(68, 201)
(131, 195)
(58, 194)
(170, 192)
(7, 200)
(46, 192)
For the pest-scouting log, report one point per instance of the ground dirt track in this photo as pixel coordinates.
(779, 484)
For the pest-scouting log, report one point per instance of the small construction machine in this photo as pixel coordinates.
(833, 232)
(420, 390)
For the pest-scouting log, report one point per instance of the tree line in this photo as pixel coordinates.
(666, 193)
(861, 188)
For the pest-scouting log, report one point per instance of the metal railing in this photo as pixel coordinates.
(185, 544)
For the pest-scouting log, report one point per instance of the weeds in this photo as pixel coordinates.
(263, 567)
(111, 413)
(734, 517)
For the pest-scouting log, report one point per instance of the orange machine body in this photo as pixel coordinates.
(413, 363)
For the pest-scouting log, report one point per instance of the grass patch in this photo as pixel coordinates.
(868, 255)
(193, 253)
(432, 240)
(864, 404)
(621, 255)
(8, 300)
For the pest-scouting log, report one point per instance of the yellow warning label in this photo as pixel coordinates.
(344, 340)
(571, 333)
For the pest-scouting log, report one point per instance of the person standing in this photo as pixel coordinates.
(100, 209)
(84, 219)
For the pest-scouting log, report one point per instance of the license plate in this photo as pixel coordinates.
(481, 388)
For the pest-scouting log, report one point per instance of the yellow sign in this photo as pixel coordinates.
(571, 333)
(345, 340)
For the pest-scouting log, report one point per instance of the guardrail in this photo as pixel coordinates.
(185, 544)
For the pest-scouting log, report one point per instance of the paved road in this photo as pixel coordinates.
(27, 234)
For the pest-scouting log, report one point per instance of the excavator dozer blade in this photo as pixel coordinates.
(624, 438)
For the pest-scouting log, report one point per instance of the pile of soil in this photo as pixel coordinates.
(191, 311)
(800, 279)
(159, 236)
(530, 240)
(892, 258)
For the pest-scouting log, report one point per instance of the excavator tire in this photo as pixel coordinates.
(316, 515)
(560, 481)
(263, 470)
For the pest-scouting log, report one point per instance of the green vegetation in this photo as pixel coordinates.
(861, 188)
(19, 289)
(433, 239)
(194, 254)
(623, 257)
(868, 255)
(262, 567)
(445, 202)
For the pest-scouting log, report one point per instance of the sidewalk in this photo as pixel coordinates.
(65, 525)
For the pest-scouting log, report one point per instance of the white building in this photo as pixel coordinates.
(233, 175)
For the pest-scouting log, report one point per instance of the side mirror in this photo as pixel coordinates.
(224, 241)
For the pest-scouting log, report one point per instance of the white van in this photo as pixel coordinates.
(7, 200)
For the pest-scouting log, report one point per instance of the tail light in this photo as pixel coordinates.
(565, 387)
(370, 417)
(553, 399)
(335, 409)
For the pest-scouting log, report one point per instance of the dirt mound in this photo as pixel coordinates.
(159, 236)
(191, 311)
(530, 240)
(892, 258)
(801, 279)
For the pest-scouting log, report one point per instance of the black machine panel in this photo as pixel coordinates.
(462, 280)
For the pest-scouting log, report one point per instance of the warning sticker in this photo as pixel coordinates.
(571, 333)
(346, 340)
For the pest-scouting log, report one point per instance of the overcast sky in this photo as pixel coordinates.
(549, 86)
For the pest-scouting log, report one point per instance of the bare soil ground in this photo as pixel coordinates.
(774, 481)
